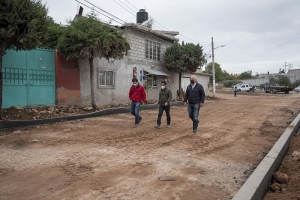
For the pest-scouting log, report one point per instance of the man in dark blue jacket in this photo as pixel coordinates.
(195, 96)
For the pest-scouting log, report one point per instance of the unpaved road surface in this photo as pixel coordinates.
(106, 158)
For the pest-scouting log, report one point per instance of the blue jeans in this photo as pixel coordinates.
(193, 110)
(134, 110)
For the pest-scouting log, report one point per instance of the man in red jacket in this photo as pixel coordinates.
(137, 95)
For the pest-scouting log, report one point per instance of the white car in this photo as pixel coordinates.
(297, 89)
(244, 87)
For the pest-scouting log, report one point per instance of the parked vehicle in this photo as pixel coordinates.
(297, 89)
(274, 89)
(246, 87)
(237, 85)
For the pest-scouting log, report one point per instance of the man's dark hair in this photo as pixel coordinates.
(135, 80)
(163, 82)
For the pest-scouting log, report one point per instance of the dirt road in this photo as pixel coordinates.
(106, 158)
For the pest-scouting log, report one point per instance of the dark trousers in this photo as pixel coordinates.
(235, 93)
(160, 113)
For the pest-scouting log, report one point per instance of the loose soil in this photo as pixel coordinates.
(291, 166)
(107, 158)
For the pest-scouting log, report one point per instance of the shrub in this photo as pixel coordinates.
(230, 83)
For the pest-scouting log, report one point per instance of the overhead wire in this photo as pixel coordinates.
(131, 5)
(163, 27)
(98, 12)
(151, 35)
(127, 6)
(104, 11)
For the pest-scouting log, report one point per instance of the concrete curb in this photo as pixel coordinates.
(257, 185)
(19, 123)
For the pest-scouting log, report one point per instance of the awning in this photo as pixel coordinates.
(156, 72)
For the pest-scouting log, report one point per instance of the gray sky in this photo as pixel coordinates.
(260, 35)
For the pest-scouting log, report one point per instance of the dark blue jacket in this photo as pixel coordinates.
(195, 95)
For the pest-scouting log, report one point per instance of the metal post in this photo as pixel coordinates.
(213, 66)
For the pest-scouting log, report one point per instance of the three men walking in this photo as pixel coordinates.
(194, 97)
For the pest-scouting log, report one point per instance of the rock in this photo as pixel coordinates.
(17, 108)
(50, 112)
(35, 140)
(34, 110)
(34, 118)
(281, 177)
(17, 132)
(296, 154)
(275, 187)
(88, 108)
(43, 112)
(50, 109)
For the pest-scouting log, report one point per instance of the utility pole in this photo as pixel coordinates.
(213, 66)
(285, 67)
(290, 66)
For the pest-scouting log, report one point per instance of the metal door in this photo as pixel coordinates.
(28, 78)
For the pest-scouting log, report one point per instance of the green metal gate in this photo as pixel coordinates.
(28, 78)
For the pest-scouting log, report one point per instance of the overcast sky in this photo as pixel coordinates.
(260, 35)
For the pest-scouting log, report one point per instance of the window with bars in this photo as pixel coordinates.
(152, 50)
(106, 78)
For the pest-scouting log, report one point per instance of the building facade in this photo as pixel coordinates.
(144, 60)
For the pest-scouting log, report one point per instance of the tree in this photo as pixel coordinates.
(284, 81)
(55, 31)
(219, 74)
(184, 58)
(296, 83)
(245, 75)
(273, 80)
(86, 37)
(148, 84)
(23, 25)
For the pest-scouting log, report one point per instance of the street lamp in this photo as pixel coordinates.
(213, 65)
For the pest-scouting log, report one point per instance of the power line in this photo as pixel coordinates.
(123, 7)
(163, 27)
(127, 6)
(103, 11)
(132, 5)
(99, 12)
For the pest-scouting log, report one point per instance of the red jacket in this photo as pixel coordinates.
(137, 94)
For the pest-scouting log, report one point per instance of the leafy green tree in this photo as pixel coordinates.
(148, 84)
(273, 80)
(184, 58)
(296, 83)
(284, 81)
(86, 37)
(55, 31)
(23, 25)
(245, 75)
(230, 83)
(219, 75)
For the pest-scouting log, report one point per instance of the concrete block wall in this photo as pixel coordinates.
(137, 42)
(124, 72)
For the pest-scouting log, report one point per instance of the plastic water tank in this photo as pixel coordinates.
(141, 16)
